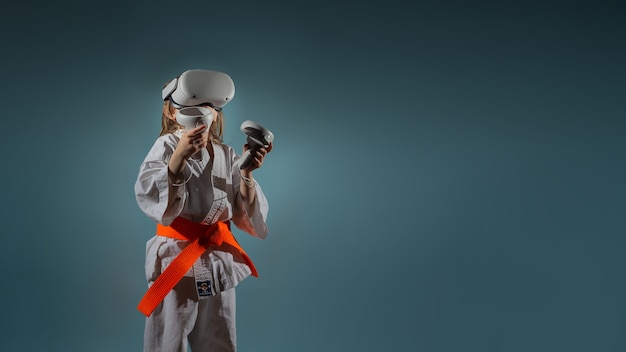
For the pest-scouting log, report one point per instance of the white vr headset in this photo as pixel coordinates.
(200, 87)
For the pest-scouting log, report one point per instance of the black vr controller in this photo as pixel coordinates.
(258, 137)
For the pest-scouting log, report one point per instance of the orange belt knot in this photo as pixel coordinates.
(201, 236)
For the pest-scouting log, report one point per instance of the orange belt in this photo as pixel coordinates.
(201, 236)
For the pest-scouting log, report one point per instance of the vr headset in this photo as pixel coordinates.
(200, 88)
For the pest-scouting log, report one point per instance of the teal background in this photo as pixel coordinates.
(447, 176)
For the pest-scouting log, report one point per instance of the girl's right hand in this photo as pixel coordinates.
(192, 141)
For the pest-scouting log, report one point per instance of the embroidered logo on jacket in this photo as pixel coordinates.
(204, 288)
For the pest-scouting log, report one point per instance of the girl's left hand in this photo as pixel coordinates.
(258, 155)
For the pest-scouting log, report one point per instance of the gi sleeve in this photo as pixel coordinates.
(249, 218)
(152, 188)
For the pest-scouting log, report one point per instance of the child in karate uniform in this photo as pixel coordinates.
(192, 187)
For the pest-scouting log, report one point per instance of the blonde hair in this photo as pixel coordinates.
(169, 124)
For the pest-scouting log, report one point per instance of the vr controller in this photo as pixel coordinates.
(194, 116)
(258, 137)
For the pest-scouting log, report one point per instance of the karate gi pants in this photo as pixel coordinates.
(207, 325)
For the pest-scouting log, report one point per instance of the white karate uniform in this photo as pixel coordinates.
(210, 194)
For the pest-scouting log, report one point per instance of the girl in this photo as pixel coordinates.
(191, 186)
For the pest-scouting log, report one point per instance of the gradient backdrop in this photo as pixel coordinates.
(447, 176)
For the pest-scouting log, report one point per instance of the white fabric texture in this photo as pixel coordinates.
(182, 320)
(210, 194)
